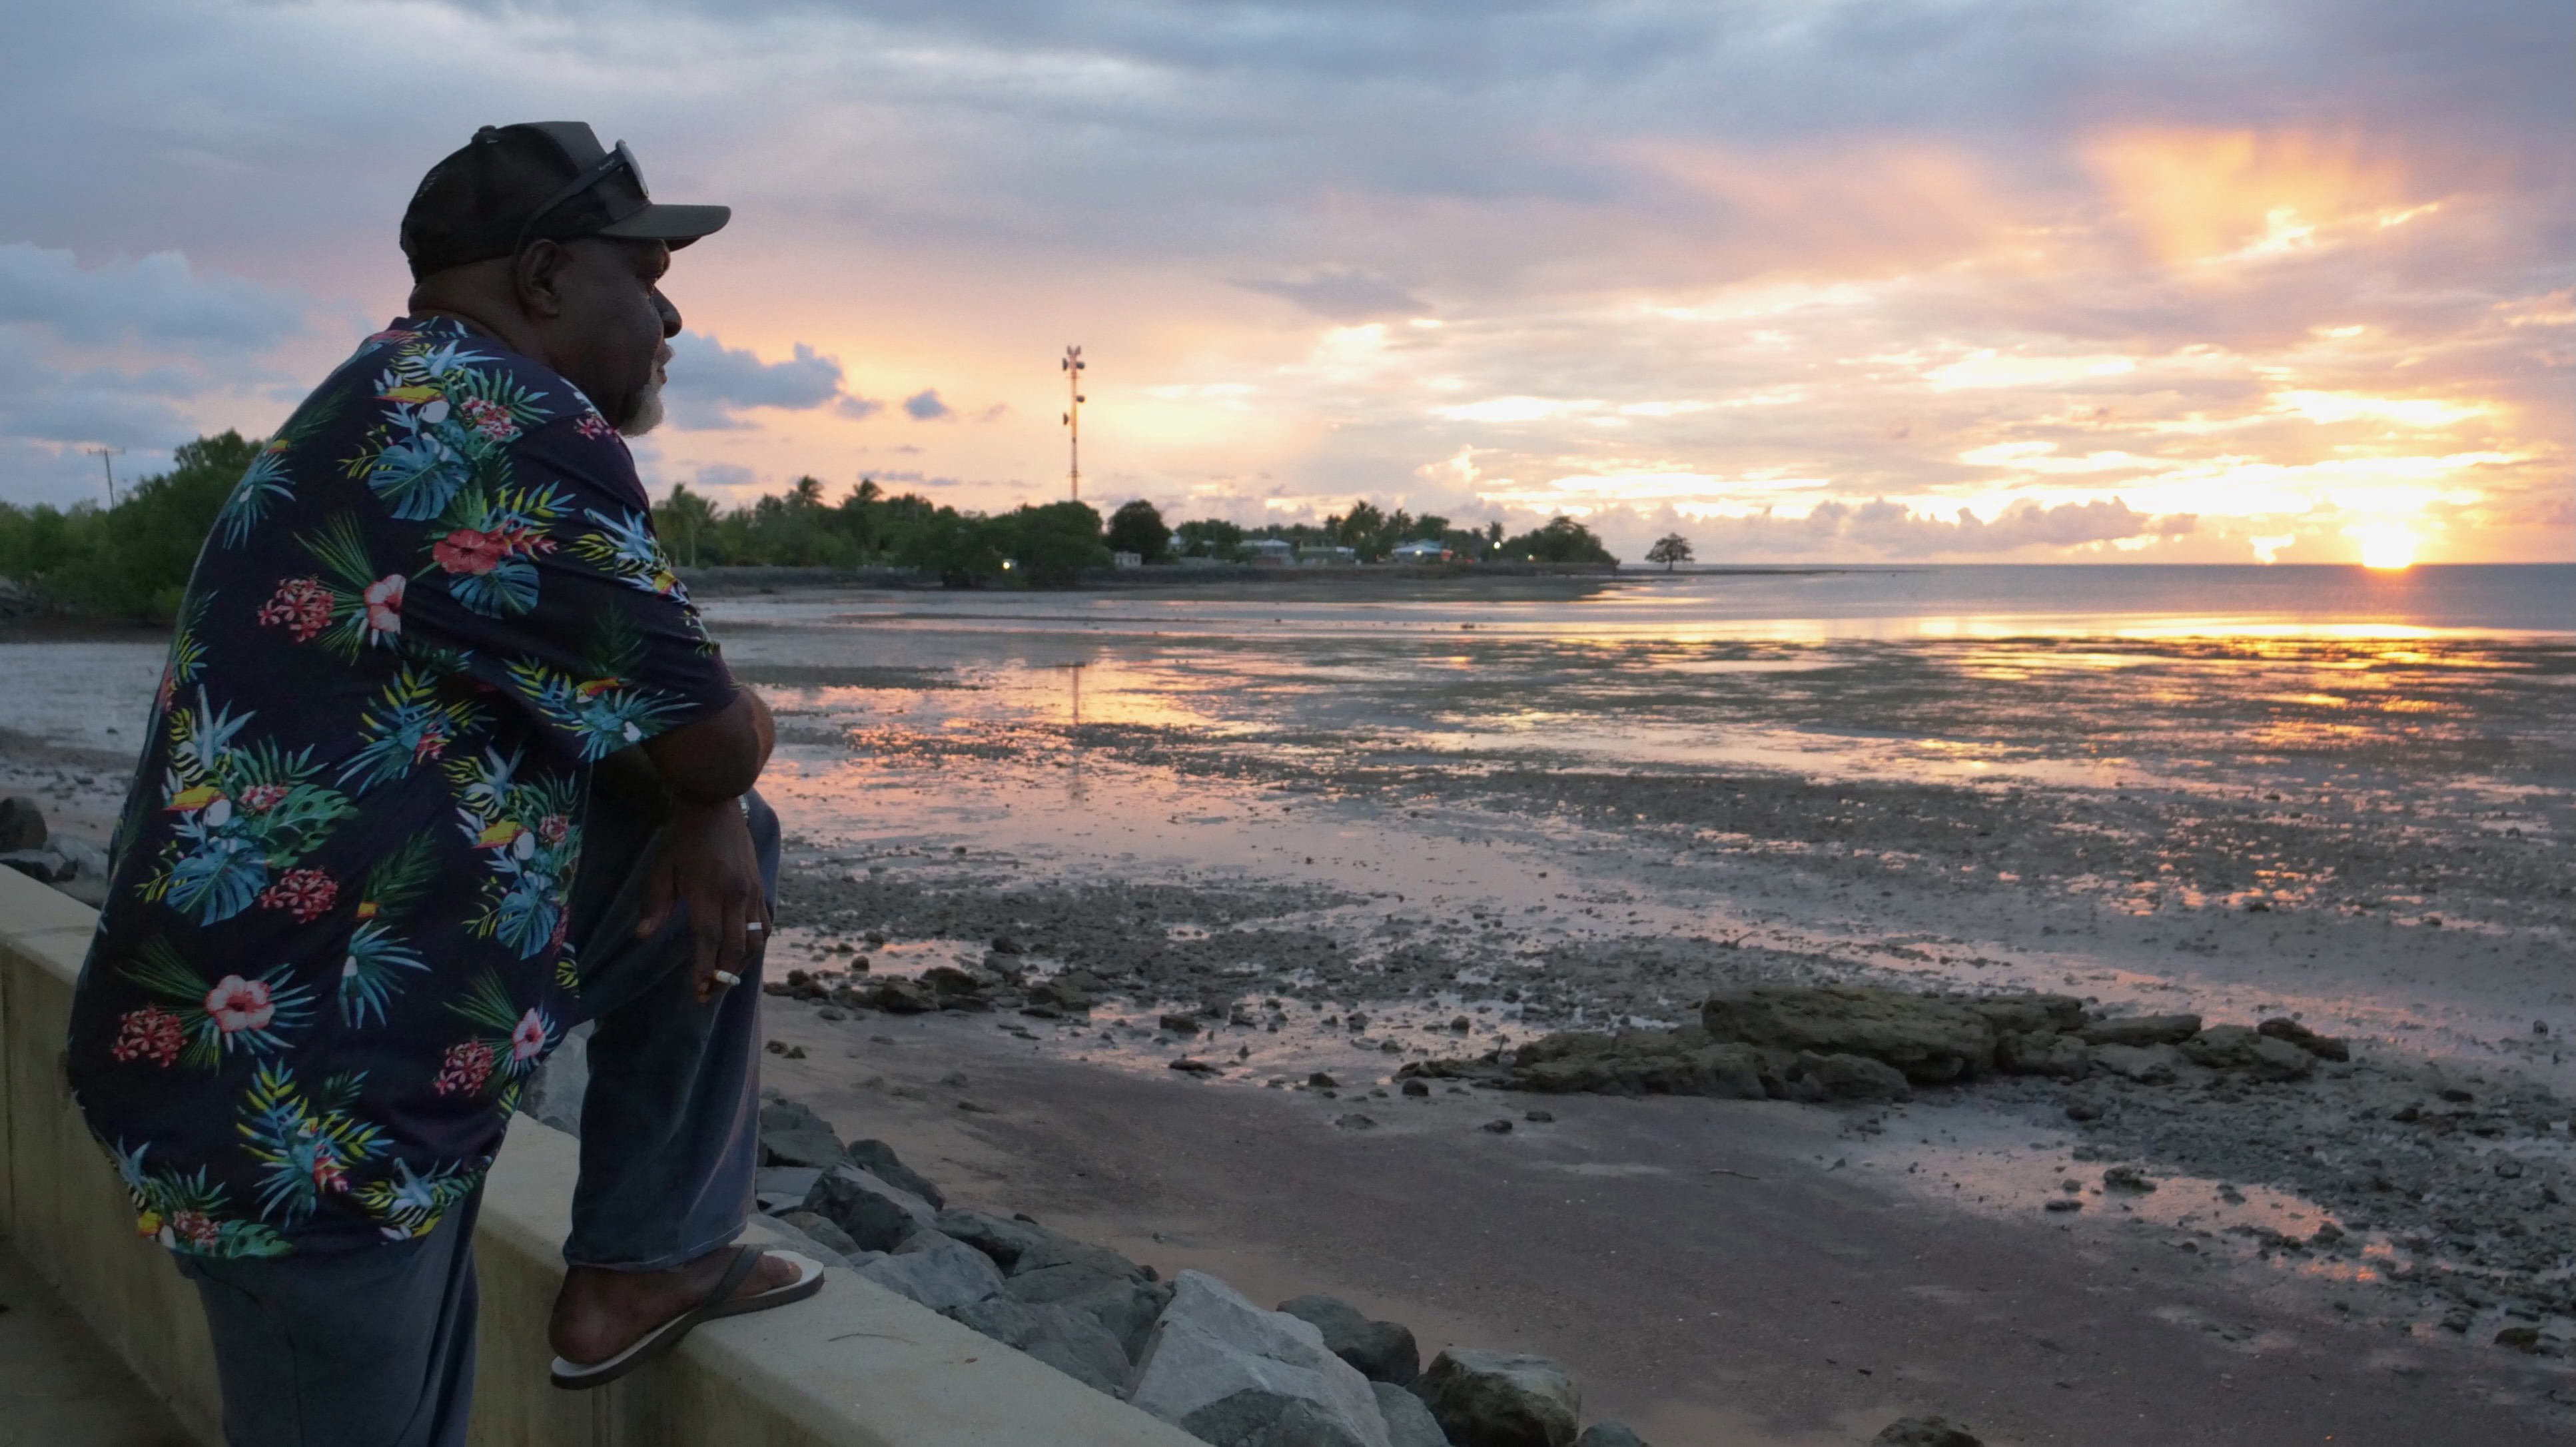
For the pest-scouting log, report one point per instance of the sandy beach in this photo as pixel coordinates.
(1354, 834)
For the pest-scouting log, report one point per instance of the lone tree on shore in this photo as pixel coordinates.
(1669, 549)
(1138, 528)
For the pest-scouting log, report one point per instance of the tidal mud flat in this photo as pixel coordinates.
(1357, 840)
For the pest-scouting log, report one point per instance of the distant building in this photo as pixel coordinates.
(1319, 556)
(1127, 560)
(1270, 550)
(1422, 550)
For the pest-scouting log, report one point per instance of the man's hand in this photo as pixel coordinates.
(706, 860)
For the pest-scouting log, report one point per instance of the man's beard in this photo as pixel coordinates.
(644, 413)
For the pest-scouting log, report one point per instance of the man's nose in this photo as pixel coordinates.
(670, 314)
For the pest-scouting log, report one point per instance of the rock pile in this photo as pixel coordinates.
(1315, 1373)
(1001, 981)
(1850, 1043)
(74, 866)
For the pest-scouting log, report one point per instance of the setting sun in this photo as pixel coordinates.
(2387, 546)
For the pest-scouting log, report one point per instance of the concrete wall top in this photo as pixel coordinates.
(857, 1366)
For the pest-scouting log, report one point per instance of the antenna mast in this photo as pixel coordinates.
(1073, 412)
(103, 454)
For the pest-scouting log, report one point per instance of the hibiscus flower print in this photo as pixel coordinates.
(260, 798)
(195, 1228)
(302, 606)
(491, 419)
(150, 1033)
(528, 1041)
(469, 1063)
(594, 427)
(479, 551)
(307, 894)
(384, 600)
(236, 1004)
(469, 551)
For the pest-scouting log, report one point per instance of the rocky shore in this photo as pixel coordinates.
(2455, 1189)
(1314, 1372)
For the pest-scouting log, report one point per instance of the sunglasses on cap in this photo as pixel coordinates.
(619, 156)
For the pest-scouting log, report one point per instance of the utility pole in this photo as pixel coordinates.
(1073, 412)
(103, 454)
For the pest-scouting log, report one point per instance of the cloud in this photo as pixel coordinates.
(158, 300)
(138, 355)
(713, 384)
(1885, 529)
(1344, 296)
(925, 406)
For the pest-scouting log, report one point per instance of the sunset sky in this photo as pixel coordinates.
(1992, 281)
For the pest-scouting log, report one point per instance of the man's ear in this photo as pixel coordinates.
(536, 274)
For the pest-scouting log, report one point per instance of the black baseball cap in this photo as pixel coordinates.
(511, 185)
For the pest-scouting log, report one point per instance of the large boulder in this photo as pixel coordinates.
(1125, 1307)
(2141, 1031)
(791, 1134)
(1383, 1351)
(878, 1216)
(2324, 1047)
(1005, 1240)
(1501, 1399)
(2025, 1014)
(22, 824)
(1924, 1432)
(1814, 1077)
(2145, 1064)
(1226, 1371)
(1932, 1039)
(1068, 1341)
(1635, 1062)
(878, 1159)
(2242, 1047)
(819, 1229)
(1058, 1267)
(936, 1271)
(1409, 1423)
(2043, 1052)
(900, 996)
(782, 1188)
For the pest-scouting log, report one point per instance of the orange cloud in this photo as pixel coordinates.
(1835, 205)
(2195, 194)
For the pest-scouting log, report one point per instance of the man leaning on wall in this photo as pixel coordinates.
(443, 764)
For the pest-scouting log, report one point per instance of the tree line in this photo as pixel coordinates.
(868, 526)
(131, 560)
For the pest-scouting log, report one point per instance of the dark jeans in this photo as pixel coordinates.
(375, 1347)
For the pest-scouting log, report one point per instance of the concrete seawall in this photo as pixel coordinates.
(856, 1367)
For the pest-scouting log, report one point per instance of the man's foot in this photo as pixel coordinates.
(601, 1313)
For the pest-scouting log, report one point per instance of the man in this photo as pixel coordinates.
(443, 764)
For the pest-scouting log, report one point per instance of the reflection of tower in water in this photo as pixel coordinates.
(1073, 730)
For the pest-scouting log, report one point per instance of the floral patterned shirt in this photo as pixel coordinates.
(334, 943)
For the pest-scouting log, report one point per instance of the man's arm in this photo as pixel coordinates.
(707, 857)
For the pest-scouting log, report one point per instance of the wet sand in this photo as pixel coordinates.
(1717, 1273)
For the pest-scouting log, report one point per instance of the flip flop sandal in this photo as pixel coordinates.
(578, 1376)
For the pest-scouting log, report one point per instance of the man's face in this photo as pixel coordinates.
(611, 336)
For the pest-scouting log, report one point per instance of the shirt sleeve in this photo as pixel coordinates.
(558, 595)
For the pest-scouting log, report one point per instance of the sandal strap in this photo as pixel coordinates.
(746, 1259)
